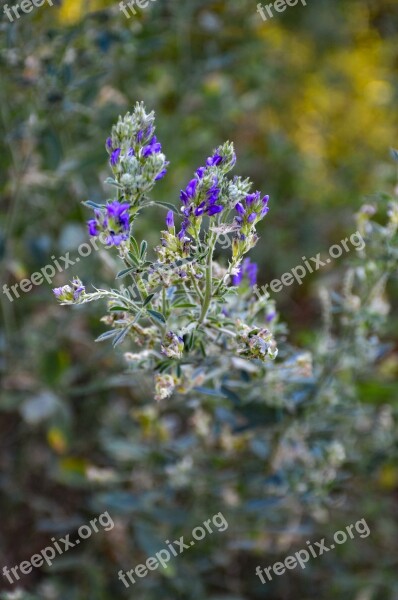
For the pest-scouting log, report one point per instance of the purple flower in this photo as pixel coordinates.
(118, 212)
(78, 289)
(213, 192)
(189, 193)
(144, 133)
(184, 226)
(114, 157)
(265, 208)
(251, 198)
(109, 143)
(251, 270)
(170, 219)
(161, 175)
(214, 209)
(152, 148)
(93, 227)
(237, 278)
(199, 210)
(200, 172)
(251, 209)
(68, 294)
(215, 160)
(248, 269)
(114, 221)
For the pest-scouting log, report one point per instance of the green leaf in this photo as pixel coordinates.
(190, 341)
(163, 365)
(157, 315)
(134, 244)
(124, 272)
(167, 205)
(134, 259)
(121, 335)
(148, 299)
(184, 305)
(143, 249)
(107, 335)
(92, 204)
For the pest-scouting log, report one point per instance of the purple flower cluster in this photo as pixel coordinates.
(154, 147)
(70, 294)
(251, 210)
(170, 219)
(151, 146)
(199, 199)
(173, 345)
(248, 269)
(115, 222)
(144, 134)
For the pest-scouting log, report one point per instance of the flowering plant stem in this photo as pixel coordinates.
(209, 280)
(183, 290)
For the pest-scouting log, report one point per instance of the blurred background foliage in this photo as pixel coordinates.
(309, 99)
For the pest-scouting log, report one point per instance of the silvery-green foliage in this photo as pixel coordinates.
(197, 326)
(183, 314)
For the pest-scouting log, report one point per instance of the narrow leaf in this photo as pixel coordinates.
(134, 259)
(148, 299)
(157, 315)
(184, 305)
(167, 205)
(134, 244)
(121, 335)
(106, 335)
(92, 204)
(124, 272)
(143, 249)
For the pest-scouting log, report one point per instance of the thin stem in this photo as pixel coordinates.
(195, 285)
(209, 280)
(227, 274)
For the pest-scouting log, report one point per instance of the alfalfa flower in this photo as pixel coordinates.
(164, 386)
(247, 270)
(256, 343)
(136, 156)
(70, 294)
(173, 345)
(114, 221)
